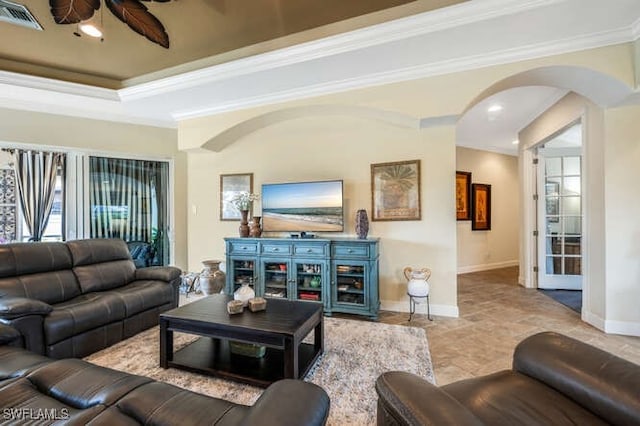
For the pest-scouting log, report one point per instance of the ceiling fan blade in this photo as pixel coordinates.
(139, 19)
(73, 11)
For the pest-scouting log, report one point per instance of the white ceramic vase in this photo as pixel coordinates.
(418, 284)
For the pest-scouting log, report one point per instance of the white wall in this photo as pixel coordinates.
(567, 110)
(622, 160)
(497, 248)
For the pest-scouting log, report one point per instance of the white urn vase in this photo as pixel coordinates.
(418, 284)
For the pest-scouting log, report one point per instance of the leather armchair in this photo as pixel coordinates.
(554, 380)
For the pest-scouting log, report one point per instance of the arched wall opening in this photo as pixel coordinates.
(587, 96)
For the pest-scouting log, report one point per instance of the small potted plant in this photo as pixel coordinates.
(243, 202)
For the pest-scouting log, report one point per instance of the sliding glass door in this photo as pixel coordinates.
(128, 199)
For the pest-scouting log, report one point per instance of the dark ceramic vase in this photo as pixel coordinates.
(244, 223)
(254, 229)
(362, 224)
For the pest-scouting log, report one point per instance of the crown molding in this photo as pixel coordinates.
(421, 71)
(399, 29)
(49, 84)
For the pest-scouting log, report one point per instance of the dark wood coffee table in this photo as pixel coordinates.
(281, 329)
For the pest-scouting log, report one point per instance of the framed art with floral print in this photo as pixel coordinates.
(395, 190)
(230, 186)
(463, 195)
(481, 201)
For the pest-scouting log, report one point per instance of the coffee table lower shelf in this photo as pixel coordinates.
(212, 356)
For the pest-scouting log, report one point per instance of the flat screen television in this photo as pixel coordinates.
(302, 207)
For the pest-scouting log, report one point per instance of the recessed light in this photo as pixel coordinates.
(515, 142)
(495, 108)
(90, 29)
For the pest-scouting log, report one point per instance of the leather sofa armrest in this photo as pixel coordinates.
(277, 405)
(407, 399)
(159, 273)
(15, 307)
(8, 335)
(604, 383)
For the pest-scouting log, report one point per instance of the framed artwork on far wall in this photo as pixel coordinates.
(481, 202)
(395, 190)
(230, 186)
(463, 195)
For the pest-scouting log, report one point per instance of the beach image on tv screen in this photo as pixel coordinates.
(302, 206)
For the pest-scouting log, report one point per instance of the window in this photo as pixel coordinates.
(55, 227)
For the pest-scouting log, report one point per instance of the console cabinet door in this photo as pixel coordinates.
(240, 270)
(276, 277)
(310, 277)
(350, 286)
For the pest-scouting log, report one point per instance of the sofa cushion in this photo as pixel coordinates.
(140, 296)
(160, 403)
(38, 271)
(82, 313)
(97, 250)
(508, 398)
(49, 287)
(101, 264)
(31, 258)
(105, 276)
(16, 362)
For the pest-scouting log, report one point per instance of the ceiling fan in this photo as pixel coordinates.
(131, 12)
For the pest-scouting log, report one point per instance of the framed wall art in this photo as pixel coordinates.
(395, 190)
(481, 202)
(230, 186)
(463, 195)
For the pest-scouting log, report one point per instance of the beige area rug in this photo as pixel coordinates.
(356, 353)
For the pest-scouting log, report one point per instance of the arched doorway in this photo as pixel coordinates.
(582, 95)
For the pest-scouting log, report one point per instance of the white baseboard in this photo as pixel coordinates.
(487, 266)
(626, 328)
(440, 310)
(593, 319)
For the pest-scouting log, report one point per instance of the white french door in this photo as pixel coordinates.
(560, 218)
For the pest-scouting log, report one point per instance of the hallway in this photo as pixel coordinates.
(495, 314)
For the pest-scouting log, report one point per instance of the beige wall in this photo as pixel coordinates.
(622, 157)
(569, 109)
(320, 148)
(22, 127)
(482, 250)
(326, 145)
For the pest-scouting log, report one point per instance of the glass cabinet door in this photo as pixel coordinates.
(242, 272)
(275, 273)
(309, 279)
(349, 284)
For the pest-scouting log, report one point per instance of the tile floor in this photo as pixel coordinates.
(495, 314)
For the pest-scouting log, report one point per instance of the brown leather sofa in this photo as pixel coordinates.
(75, 298)
(555, 380)
(38, 390)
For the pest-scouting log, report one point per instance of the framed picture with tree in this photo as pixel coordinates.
(481, 202)
(395, 190)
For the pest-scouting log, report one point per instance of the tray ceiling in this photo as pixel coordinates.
(202, 33)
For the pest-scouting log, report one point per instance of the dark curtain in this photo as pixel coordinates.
(36, 173)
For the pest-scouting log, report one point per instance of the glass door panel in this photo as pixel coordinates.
(276, 279)
(349, 288)
(128, 199)
(243, 272)
(560, 214)
(309, 277)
